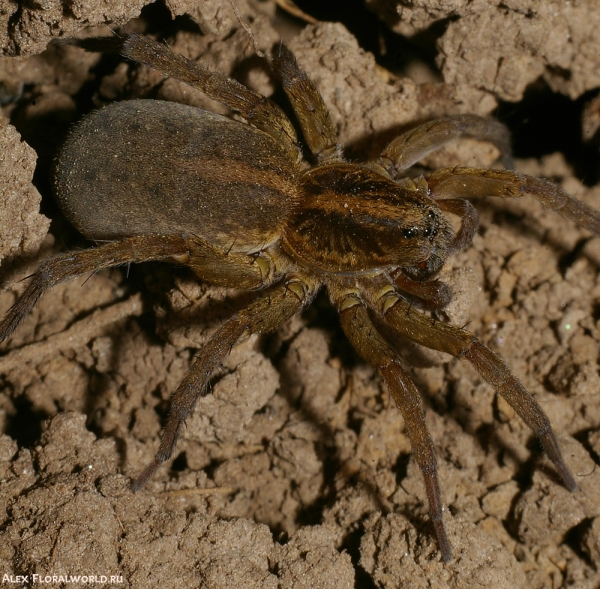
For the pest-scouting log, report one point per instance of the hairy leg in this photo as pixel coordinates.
(255, 108)
(410, 147)
(264, 315)
(375, 350)
(469, 220)
(476, 182)
(309, 107)
(431, 295)
(397, 313)
(208, 262)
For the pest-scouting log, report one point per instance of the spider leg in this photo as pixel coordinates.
(431, 295)
(460, 343)
(309, 107)
(469, 220)
(264, 315)
(472, 182)
(255, 108)
(208, 262)
(375, 350)
(410, 147)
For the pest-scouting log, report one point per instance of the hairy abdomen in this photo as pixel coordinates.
(151, 167)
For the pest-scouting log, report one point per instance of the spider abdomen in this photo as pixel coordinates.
(151, 167)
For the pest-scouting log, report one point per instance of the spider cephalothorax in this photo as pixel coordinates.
(239, 206)
(351, 219)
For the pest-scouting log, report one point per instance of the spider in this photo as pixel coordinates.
(239, 206)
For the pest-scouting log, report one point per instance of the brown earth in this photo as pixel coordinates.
(296, 471)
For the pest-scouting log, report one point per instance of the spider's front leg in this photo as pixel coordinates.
(476, 182)
(375, 350)
(413, 145)
(469, 220)
(419, 328)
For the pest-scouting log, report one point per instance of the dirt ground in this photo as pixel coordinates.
(296, 471)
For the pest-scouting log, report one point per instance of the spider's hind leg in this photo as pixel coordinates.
(255, 108)
(209, 262)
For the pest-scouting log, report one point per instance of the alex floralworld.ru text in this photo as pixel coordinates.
(41, 579)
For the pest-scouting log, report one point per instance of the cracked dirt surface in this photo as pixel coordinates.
(502, 46)
(296, 471)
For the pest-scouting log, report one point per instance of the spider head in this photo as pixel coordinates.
(350, 219)
(434, 229)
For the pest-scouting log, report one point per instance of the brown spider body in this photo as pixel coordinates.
(239, 206)
(172, 164)
(352, 220)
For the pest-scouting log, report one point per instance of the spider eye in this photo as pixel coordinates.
(430, 231)
(410, 232)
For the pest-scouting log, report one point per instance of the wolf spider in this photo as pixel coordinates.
(239, 205)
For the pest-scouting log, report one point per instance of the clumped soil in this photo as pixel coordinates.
(296, 470)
